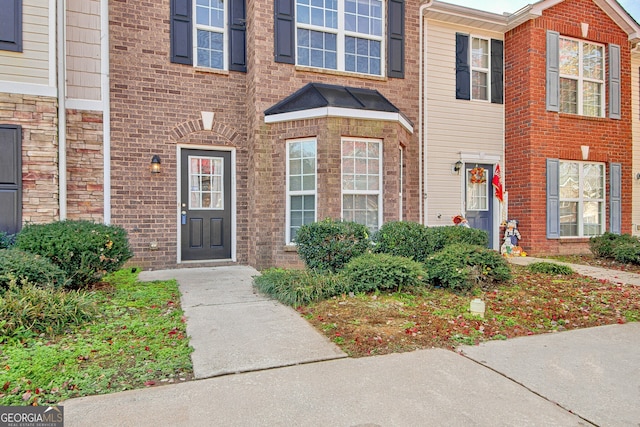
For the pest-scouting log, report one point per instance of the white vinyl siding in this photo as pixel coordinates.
(33, 65)
(83, 49)
(453, 127)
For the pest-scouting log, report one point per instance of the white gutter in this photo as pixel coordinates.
(62, 108)
(422, 172)
(106, 109)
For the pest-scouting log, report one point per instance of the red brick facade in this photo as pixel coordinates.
(155, 108)
(534, 134)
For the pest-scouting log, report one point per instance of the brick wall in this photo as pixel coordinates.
(38, 117)
(533, 134)
(85, 171)
(156, 105)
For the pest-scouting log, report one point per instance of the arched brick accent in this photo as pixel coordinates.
(192, 126)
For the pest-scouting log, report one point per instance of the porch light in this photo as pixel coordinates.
(155, 164)
(457, 166)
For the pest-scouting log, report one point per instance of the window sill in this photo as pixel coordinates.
(211, 71)
(340, 73)
(579, 117)
(291, 248)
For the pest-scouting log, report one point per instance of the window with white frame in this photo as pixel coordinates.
(301, 185)
(344, 35)
(480, 75)
(581, 77)
(582, 198)
(210, 19)
(362, 181)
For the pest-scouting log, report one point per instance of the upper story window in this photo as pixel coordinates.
(11, 26)
(479, 68)
(581, 77)
(343, 35)
(210, 34)
(576, 75)
(359, 36)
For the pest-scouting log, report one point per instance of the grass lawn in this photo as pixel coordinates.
(138, 340)
(381, 323)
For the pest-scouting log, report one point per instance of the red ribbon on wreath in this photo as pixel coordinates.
(478, 175)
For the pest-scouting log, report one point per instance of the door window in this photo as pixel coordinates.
(477, 189)
(206, 183)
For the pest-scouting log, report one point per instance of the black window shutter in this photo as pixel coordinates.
(615, 198)
(553, 71)
(10, 178)
(553, 198)
(497, 67)
(11, 25)
(395, 39)
(463, 71)
(181, 32)
(284, 37)
(237, 36)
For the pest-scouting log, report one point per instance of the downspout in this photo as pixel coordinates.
(106, 109)
(62, 108)
(421, 131)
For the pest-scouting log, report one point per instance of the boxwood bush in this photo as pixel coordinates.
(628, 252)
(329, 244)
(83, 249)
(403, 238)
(381, 272)
(604, 246)
(23, 266)
(461, 266)
(441, 237)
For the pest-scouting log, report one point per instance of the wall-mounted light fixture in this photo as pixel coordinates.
(638, 176)
(155, 164)
(457, 166)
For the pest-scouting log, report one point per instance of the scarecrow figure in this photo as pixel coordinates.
(511, 237)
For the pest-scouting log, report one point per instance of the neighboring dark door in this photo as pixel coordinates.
(10, 178)
(478, 197)
(205, 197)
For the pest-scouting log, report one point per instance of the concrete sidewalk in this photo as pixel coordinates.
(582, 377)
(233, 329)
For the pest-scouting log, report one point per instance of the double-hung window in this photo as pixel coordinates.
(210, 34)
(479, 68)
(301, 185)
(582, 198)
(581, 77)
(362, 181)
(343, 35)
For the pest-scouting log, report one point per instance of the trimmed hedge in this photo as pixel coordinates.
(441, 237)
(403, 238)
(604, 246)
(461, 266)
(628, 252)
(329, 244)
(381, 272)
(20, 266)
(84, 250)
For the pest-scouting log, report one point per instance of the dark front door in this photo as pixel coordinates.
(10, 178)
(478, 197)
(205, 213)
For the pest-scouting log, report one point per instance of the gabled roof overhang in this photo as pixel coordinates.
(316, 100)
(461, 15)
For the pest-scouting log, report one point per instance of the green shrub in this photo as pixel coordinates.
(24, 266)
(461, 266)
(83, 249)
(550, 268)
(29, 310)
(381, 272)
(7, 240)
(329, 244)
(441, 237)
(403, 238)
(604, 246)
(296, 287)
(628, 253)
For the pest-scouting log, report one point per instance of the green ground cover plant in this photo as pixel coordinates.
(137, 338)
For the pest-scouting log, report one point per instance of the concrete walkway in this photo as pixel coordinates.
(233, 329)
(574, 378)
